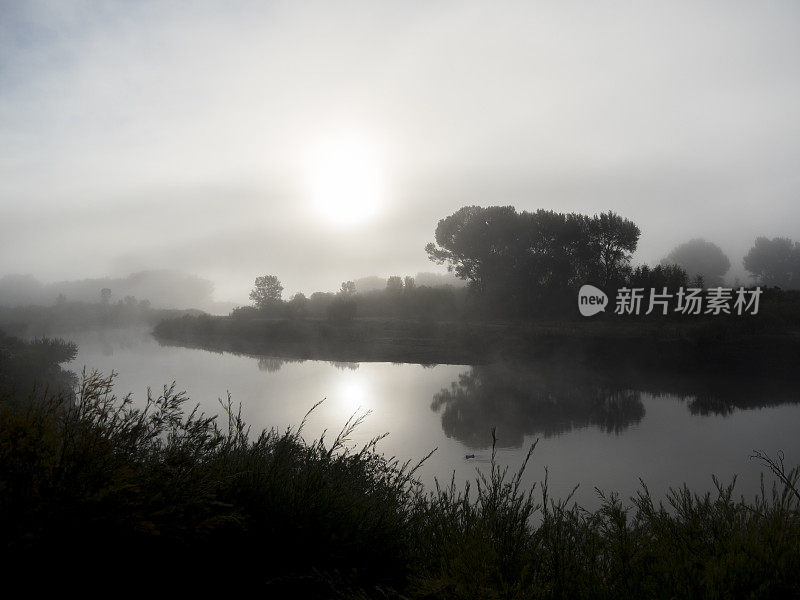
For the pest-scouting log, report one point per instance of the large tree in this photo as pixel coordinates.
(700, 258)
(774, 262)
(475, 243)
(267, 291)
(528, 259)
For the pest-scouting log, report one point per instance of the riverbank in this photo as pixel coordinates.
(721, 344)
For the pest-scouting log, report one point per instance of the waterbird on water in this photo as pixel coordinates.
(468, 456)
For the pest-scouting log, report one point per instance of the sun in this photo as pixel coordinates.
(353, 393)
(345, 180)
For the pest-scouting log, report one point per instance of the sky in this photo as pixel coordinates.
(323, 141)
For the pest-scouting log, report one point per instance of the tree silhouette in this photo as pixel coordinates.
(297, 307)
(671, 277)
(474, 242)
(394, 284)
(527, 262)
(700, 258)
(267, 291)
(774, 262)
(536, 400)
(616, 239)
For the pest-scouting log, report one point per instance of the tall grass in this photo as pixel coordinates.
(96, 492)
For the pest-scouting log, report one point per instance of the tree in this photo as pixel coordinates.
(409, 283)
(553, 253)
(267, 291)
(774, 262)
(348, 288)
(318, 302)
(700, 258)
(370, 283)
(394, 284)
(532, 261)
(105, 295)
(615, 239)
(297, 307)
(667, 276)
(474, 242)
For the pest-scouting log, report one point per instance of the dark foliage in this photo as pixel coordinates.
(26, 367)
(525, 263)
(774, 262)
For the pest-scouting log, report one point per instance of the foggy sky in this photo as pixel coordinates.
(172, 135)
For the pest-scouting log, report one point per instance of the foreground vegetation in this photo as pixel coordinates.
(96, 493)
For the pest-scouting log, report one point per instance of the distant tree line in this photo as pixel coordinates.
(532, 263)
(164, 288)
(67, 316)
(770, 262)
(400, 297)
(525, 264)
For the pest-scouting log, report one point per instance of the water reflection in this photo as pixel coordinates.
(344, 366)
(604, 428)
(714, 393)
(728, 397)
(273, 364)
(520, 402)
(541, 399)
(545, 399)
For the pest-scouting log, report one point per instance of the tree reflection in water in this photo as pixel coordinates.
(273, 364)
(528, 401)
(545, 399)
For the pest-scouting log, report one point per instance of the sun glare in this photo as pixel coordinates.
(345, 180)
(353, 393)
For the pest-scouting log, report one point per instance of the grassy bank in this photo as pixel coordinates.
(770, 344)
(95, 493)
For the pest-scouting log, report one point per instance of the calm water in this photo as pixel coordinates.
(591, 432)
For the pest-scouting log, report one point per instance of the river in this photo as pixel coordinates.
(591, 432)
